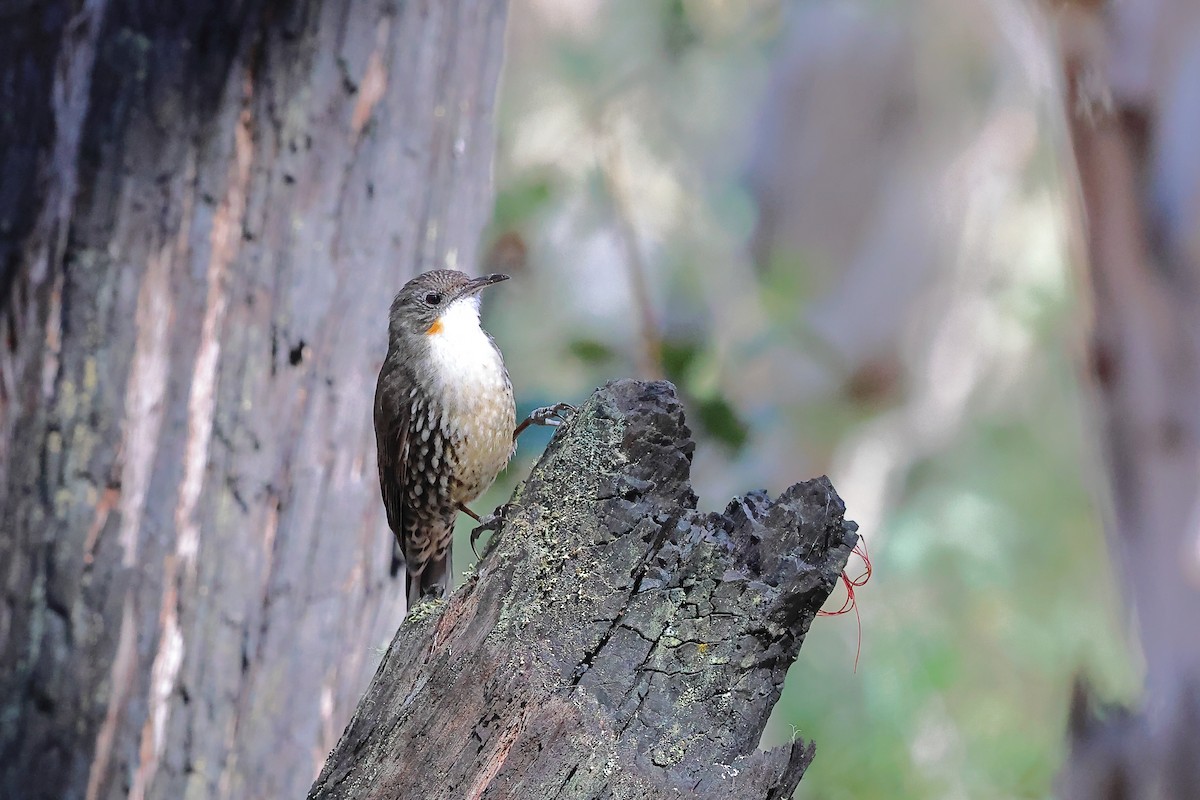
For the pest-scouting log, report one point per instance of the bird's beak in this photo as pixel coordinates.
(480, 283)
(469, 288)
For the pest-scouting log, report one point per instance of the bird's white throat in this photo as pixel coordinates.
(464, 354)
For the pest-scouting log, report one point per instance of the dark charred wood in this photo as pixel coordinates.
(614, 642)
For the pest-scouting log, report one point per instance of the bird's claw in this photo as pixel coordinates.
(553, 416)
(489, 523)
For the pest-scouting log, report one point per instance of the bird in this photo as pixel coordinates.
(444, 421)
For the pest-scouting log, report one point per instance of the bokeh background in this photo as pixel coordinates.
(844, 231)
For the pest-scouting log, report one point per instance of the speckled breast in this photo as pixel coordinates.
(480, 437)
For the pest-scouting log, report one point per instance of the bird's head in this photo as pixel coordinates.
(430, 301)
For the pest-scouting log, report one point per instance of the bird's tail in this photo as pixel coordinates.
(397, 560)
(432, 581)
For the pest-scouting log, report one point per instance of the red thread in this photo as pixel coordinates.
(850, 604)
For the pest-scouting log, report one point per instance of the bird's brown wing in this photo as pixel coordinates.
(391, 441)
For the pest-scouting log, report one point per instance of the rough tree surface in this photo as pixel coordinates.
(615, 642)
(205, 207)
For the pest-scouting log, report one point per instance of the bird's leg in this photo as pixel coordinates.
(552, 416)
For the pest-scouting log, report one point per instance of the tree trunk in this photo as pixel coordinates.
(1133, 107)
(205, 210)
(615, 642)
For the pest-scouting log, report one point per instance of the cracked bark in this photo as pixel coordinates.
(614, 641)
(204, 210)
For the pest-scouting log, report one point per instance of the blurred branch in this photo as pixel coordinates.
(1146, 368)
(612, 172)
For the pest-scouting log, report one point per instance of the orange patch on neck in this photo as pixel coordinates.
(436, 327)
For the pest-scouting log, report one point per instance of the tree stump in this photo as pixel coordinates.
(614, 641)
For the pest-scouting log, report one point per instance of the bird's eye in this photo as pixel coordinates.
(433, 298)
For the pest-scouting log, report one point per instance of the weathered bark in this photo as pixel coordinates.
(615, 642)
(1132, 105)
(210, 206)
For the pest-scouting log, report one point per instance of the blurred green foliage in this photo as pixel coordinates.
(592, 352)
(520, 201)
(991, 593)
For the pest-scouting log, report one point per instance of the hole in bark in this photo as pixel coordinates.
(42, 700)
(296, 354)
